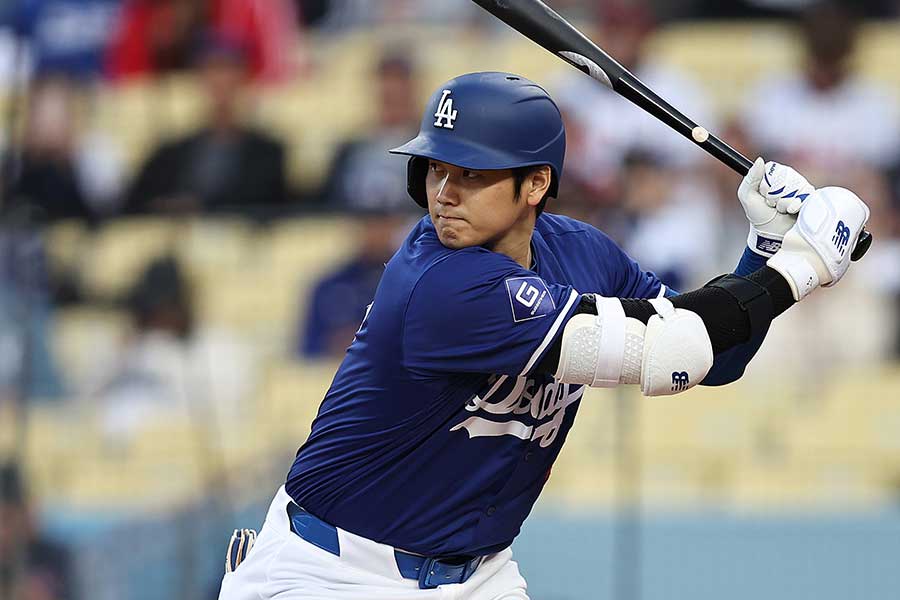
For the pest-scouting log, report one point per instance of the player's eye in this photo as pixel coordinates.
(435, 168)
(471, 174)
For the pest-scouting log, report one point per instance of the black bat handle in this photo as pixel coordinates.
(634, 90)
(728, 155)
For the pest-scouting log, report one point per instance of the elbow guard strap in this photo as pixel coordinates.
(593, 346)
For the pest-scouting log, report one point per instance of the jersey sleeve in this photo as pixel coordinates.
(480, 312)
(627, 277)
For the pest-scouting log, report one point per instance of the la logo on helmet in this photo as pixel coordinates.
(445, 114)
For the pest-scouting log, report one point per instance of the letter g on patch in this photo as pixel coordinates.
(529, 298)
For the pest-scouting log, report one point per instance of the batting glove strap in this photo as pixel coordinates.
(764, 244)
(797, 268)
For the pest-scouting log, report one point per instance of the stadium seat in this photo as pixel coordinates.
(85, 340)
(122, 248)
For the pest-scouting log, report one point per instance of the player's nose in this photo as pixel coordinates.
(447, 192)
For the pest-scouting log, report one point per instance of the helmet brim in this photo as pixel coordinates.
(462, 153)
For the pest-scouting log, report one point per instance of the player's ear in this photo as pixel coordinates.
(537, 184)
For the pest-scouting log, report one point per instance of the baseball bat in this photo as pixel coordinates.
(544, 26)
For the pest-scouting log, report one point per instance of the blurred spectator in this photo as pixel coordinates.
(32, 567)
(352, 14)
(268, 29)
(609, 126)
(61, 171)
(880, 271)
(310, 13)
(363, 175)
(161, 36)
(156, 36)
(338, 301)
(743, 9)
(63, 36)
(27, 367)
(666, 212)
(825, 119)
(223, 165)
(169, 364)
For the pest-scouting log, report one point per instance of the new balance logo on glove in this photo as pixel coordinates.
(767, 245)
(841, 237)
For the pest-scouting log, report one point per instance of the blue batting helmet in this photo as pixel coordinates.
(486, 121)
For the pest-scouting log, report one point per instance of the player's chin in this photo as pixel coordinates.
(453, 233)
(451, 240)
(454, 239)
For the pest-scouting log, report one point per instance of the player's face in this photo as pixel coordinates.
(476, 208)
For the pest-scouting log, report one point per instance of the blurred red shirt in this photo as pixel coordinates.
(157, 36)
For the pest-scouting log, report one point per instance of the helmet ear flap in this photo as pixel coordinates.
(416, 171)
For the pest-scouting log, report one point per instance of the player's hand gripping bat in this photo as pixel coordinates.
(541, 24)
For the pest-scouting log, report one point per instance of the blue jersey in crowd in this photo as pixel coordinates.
(436, 435)
(64, 36)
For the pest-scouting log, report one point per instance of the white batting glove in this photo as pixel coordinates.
(816, 251)
(771, 194)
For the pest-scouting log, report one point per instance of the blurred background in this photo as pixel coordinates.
(196, 206)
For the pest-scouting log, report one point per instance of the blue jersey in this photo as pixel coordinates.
(436, 435)
(68, 36)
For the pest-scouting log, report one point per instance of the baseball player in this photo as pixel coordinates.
(457, 393)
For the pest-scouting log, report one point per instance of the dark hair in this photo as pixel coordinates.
(161, 290)
(519, 176)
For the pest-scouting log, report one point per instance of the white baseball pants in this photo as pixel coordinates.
(283, 566)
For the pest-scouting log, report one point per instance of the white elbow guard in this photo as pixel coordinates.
(677, 351)
(669, 355)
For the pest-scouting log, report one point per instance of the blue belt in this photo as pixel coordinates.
(430, 572)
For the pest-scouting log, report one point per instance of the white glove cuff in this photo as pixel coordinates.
(800, 275)
(764, 244)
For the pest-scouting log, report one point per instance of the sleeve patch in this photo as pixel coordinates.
(529, 298)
